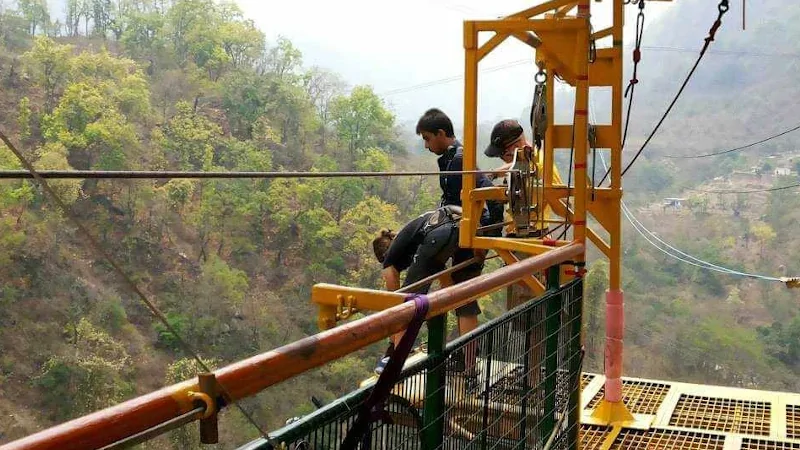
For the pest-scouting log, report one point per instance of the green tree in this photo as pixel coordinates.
(53, 156)
(143, 35)
(35, 13)
(764, 233)
(90, 375)
(50, 65)
(360, 225)
(283, 61)
(322, 87)
(96, 134)
(188, 138)
(120, 79)
(361, 119)
(24, 118)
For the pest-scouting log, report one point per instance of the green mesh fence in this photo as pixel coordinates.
(513, 383)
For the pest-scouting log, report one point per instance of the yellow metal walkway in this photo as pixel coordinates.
(672, 415)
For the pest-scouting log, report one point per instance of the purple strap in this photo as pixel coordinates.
(372, 408)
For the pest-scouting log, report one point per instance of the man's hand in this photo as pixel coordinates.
(391, 278)
(480, 253)
(500, 171)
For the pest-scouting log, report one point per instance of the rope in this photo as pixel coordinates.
(734, 149)
(156, 174)
(722, 9)
(125, 278)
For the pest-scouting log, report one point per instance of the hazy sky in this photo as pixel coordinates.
(397, 45)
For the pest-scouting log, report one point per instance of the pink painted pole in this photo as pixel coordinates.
(615, 327)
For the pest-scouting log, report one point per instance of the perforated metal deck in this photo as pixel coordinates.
(671, 415)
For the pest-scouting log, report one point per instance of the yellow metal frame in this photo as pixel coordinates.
(562, 44)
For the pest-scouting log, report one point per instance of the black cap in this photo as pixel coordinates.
(503, 133)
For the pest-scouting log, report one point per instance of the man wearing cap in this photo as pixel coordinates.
(508, 136)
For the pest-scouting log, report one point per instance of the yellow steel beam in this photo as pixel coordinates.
(535, 25)
(339, 302)
(530, 281)
(598, 242)
(497, 193)
(469, 226)
(564, 10)
(491, 44)
(533, 247)
(597, 35)
(541, 9)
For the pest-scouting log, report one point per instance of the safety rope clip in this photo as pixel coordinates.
(540, 77)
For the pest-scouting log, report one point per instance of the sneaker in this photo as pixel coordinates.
(381, 365)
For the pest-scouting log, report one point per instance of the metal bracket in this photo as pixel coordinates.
(209, 431)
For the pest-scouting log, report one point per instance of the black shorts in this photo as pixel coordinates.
(439, 245)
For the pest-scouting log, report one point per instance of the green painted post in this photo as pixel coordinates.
(552, 324)
(575, 348)
(433, 412)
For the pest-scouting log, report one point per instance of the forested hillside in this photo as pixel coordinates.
(183, 85)
(684, 322)
(194, 85)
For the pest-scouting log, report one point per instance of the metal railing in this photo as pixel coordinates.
(248, 377)
(521, 392)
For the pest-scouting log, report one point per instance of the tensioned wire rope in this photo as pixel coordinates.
(692, 260)
(39, 177)
(649, 236)
(95, 245)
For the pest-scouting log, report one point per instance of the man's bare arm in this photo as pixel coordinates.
(392, 278)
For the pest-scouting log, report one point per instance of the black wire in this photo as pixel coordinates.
(634, 80)
(734, 149)
(156, 174)
(722, 9)
(753, 191)
(95, 245)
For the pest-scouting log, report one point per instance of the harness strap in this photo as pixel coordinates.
(372, 409)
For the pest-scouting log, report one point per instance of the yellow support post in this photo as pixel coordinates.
(469, 221)
(612, 410)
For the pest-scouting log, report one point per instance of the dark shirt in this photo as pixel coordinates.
(452, 160)
(405, 244)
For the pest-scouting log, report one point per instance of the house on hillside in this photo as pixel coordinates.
(673, 202)
(782, 171)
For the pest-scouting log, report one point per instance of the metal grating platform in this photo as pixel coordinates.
(592, 436)
(793, 421)
(763, 444)
(676, 415)
(667, 439)
(640, 397)
(722, 414)
(586, 378)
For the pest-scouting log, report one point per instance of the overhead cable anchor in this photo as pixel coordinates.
(791, 282)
